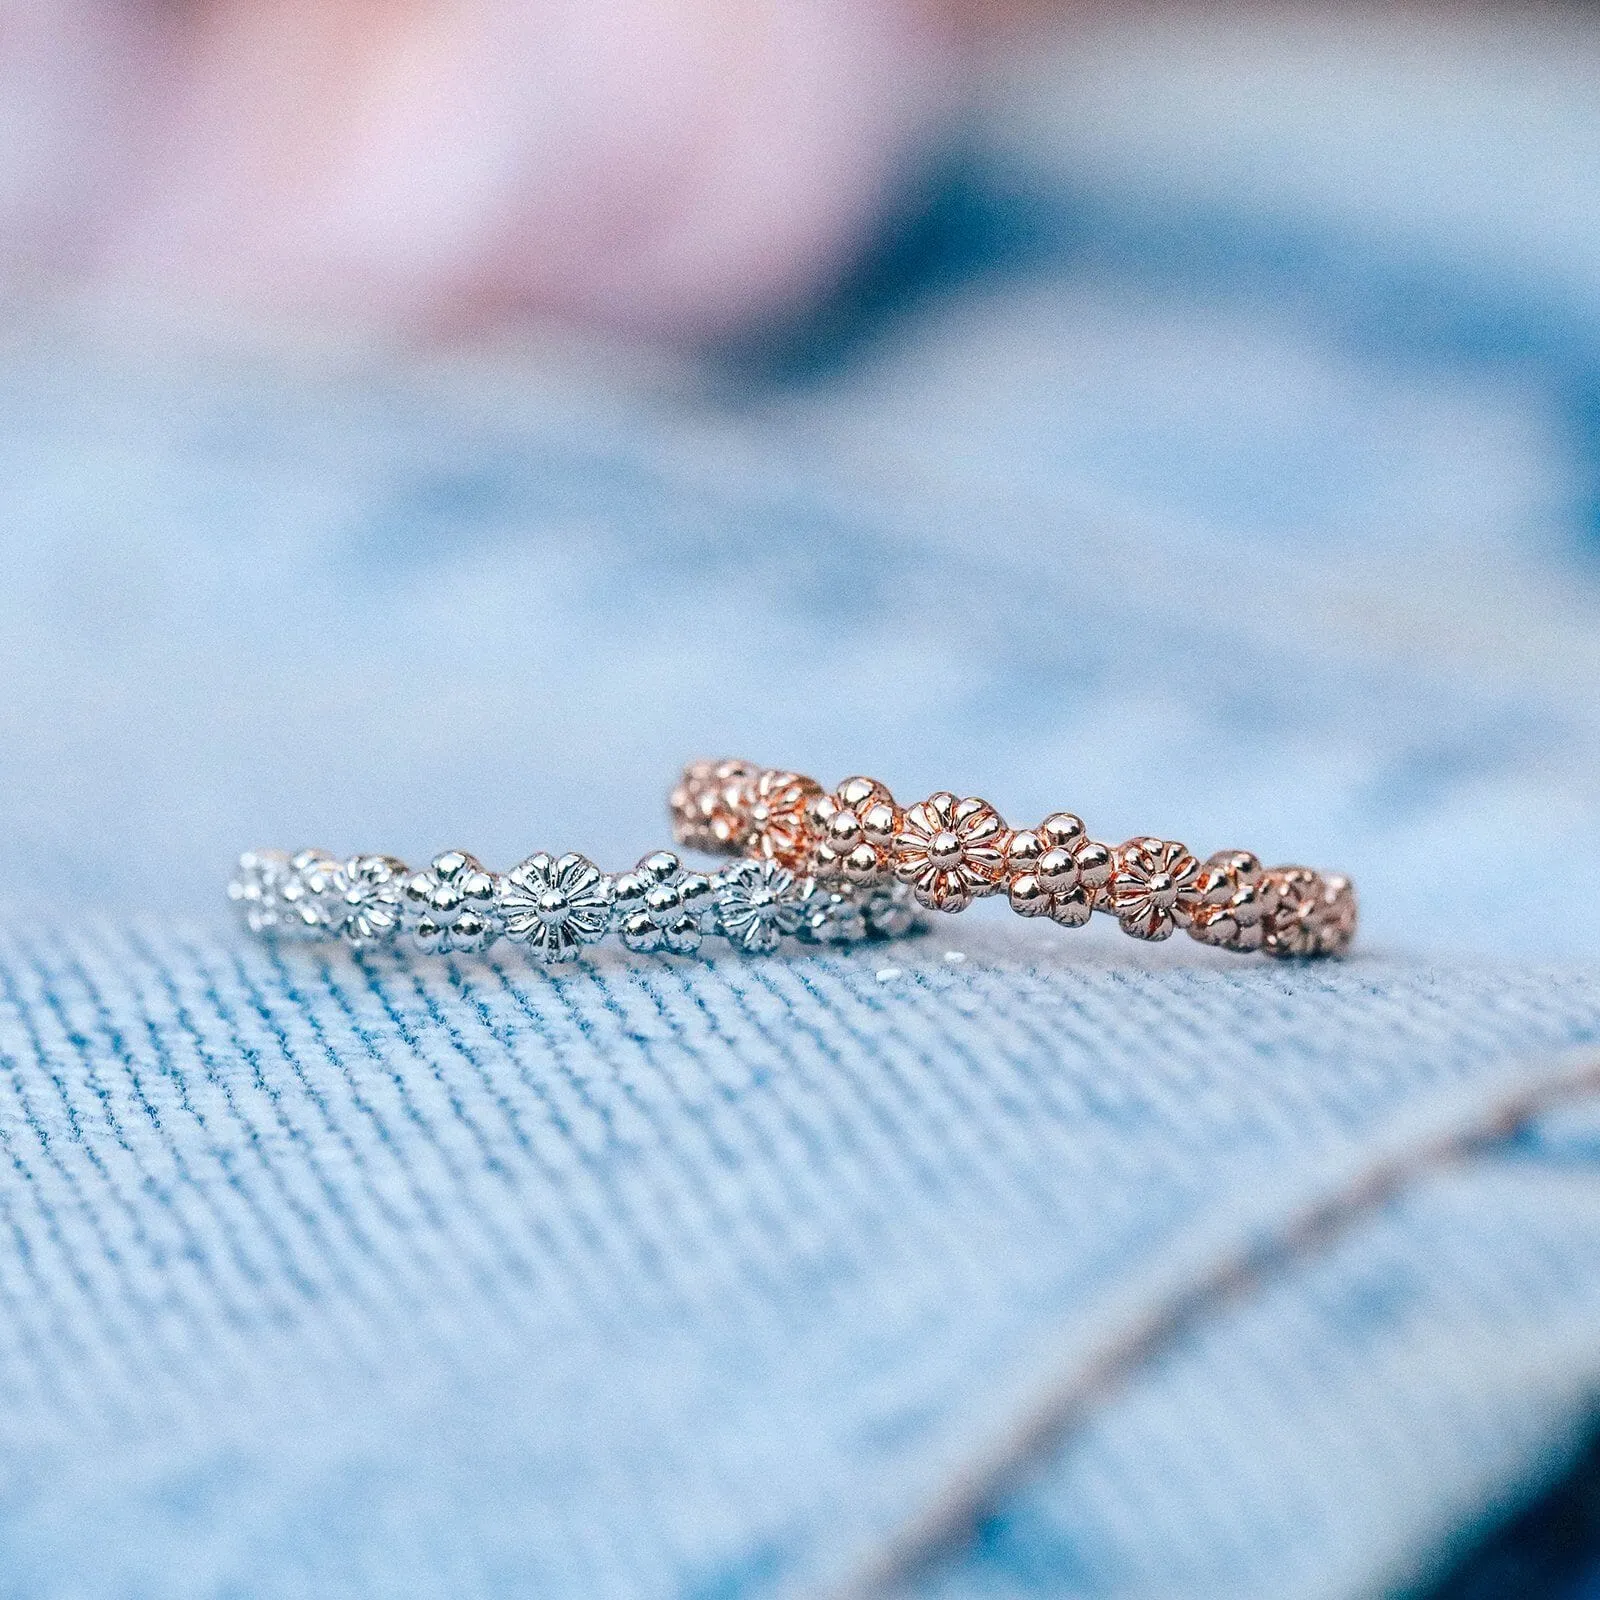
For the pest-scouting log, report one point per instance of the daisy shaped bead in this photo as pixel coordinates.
(661, 905)
(1237, 898)
(1155, 887)
(776, 807)
(452, 905)
(556, 905)
(706, 814)
(254, 889)
(834, 912)
(840, 912)
(891, 911)
(1340, 914)
(854, 830)
(757, 903)
(363, 901)
(313, 877)
(950, 851)
(1314, 916)
(1056, 870)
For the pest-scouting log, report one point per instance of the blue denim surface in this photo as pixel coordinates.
(1168, 1274)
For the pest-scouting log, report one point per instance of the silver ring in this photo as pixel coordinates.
(555, 906)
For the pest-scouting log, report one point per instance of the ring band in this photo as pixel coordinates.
(949, 852)
(556, 905)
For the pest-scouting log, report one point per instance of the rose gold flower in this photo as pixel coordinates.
(854, 829)
(1154, 887)
(950, 851)
(1056, 870)
(776, 807)
(1314, 915)
(1340, 914)
(1238, 899)
(705, 806)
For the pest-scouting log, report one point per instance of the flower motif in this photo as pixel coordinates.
(660, 905)
(891, 911)
(556, 905)
(1340, 914)
(359, 900)
(831, 912)
(837, 911)
(1154, 887)
(854, 829)
(757, 902)
(776, 807)
(452, 905)
(313, 875)
(1238, 900)
(950, 851)
(1056, 870)
(1313, 916)
(255, 888)
(707, 812)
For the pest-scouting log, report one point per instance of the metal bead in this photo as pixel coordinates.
(1056, 870)
(950, 851)
(776, 807)
(706, 807)
(555, 905)
(314, 878)
(833, 912)
(837, 911)
(855, 828)
(1154, 887)
(1237, 901)
(363, 902)
(453, 905)
(757, 903)
(1313, 915)
(254, 889)
(891, 911)
(1340, 914)
(661, 905)
(1029, 897)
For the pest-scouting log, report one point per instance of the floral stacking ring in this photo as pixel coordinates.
(948, 852)
(554, 906)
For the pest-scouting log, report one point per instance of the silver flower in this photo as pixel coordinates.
(661, 905)
(835, 911)
(832, 912)
(313, 878)
(255, 889)
(452, 905)
(757, 903)
(891, 910)
(360, 900)
(556, 905)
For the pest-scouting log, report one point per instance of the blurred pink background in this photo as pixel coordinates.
(674, 167)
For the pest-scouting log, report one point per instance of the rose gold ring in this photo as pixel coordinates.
(953, 851)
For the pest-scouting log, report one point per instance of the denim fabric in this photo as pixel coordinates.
(658, 1278)
(1009, 1262)
(1343, 1428)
